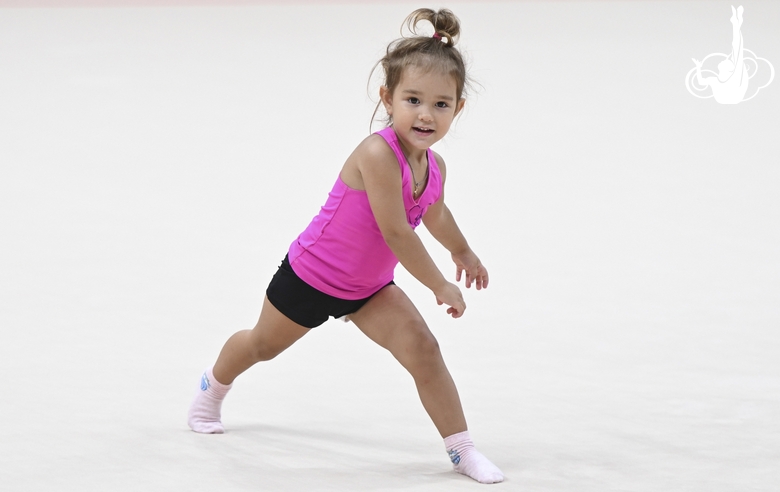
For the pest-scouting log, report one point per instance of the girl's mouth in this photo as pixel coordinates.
(424, 131)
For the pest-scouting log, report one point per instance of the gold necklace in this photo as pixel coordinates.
(408, 163)
(414, 179)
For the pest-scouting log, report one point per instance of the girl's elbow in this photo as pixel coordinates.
(396, 235)
(435, 222)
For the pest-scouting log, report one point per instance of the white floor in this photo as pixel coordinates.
(155, 163)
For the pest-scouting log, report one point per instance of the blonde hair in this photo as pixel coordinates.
(437, 52)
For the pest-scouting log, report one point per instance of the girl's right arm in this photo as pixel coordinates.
(381, 177)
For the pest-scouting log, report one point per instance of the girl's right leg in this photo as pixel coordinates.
(273, 333)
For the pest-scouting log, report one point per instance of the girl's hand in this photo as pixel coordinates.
(450, 295)
(475, 272)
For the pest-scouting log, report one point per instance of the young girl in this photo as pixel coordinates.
(342, 264)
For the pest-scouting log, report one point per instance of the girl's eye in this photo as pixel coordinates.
(414, 100)
(441, 104)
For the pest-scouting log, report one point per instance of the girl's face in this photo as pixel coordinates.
(423, 106)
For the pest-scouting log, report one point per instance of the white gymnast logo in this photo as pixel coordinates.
(730, 84)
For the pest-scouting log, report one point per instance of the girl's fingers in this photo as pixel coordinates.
(477, 279)
(476, 276)
(481, 280)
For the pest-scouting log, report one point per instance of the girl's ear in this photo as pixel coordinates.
(387, 99)
(459, 106)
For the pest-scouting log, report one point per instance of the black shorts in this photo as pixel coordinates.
(303, 303)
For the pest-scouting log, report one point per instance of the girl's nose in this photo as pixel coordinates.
(425, 116)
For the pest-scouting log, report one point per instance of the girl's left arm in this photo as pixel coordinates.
(441, 224)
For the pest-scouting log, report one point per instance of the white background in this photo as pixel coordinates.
(155, 164)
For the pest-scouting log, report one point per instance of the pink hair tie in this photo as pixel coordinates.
(437, 35)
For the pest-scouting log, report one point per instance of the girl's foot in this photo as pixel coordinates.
(470, 462)
(205, 411)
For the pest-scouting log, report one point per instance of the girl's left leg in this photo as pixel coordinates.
(392, 321)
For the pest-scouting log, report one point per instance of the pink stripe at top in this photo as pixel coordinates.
(342, 252)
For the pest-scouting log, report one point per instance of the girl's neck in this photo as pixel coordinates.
(414, 157)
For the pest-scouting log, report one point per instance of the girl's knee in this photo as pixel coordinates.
(261, 348)
(420, 344)
(260, 352)
(428, 346)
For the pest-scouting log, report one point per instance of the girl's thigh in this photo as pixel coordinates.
(391, 320)
(274, 332)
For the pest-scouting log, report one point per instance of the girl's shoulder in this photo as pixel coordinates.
(373, 155)
(375, 146)
(374, 151)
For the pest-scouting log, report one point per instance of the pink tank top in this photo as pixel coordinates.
(342, 252)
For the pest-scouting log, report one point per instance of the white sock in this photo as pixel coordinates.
(205, 411)
(470, 462)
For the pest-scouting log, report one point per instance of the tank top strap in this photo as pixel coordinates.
(392, 140)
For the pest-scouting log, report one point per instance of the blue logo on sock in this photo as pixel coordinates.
(204, 382)
(454, 456)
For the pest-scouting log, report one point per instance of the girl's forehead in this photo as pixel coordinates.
(422, 79)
